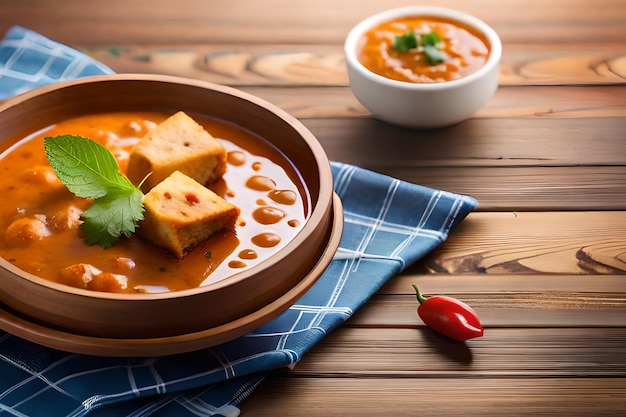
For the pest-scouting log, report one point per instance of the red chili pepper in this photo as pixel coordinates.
(449, 316)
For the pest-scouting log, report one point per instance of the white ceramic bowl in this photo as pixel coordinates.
(423, 105)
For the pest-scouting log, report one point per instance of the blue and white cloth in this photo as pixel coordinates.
(388, 224)
(29, 60)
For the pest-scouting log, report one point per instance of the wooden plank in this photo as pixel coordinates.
(562, 63)
(314, 397)
(421, 353)
(232, 64)
(476, 142)
(459, 285)
(525, 188)
(538, 243)
(306, 21)
(323, 65)
(535, 102)
(512, 310)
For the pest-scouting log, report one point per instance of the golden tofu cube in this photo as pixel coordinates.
(180, 213)
(177, 144)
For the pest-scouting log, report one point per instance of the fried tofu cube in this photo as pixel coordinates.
(177, 144)
(180, 213)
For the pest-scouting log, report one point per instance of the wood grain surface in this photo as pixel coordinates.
(543, 257)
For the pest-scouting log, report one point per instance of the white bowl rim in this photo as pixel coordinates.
(495, 45)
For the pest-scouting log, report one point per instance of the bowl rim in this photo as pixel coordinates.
(315, 217)
(353, 37)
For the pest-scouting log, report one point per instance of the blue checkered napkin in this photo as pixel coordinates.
(388, 224)
(29, 60)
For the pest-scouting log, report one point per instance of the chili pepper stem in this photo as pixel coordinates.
(420, 297)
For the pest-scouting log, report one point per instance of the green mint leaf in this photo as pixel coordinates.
(405, 42)
(112, 216)
(433, 55)
(431, 38)
(89, 170)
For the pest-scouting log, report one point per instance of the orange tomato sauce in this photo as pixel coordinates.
(467, 51)
(39, 217)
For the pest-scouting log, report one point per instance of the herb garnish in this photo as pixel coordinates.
(406, 42)
(430, 42)
(89, 170)
(430, 45)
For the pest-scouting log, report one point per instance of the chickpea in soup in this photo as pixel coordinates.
(40, 218)
(422, 49)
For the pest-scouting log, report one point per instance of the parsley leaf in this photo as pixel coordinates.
(430, 45)
(405, 42)
(431, 39)
(89, 170)
(433, 55)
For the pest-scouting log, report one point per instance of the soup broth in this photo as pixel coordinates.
(466, 50)
(39, 218)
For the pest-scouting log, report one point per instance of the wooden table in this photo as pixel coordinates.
(542, 259)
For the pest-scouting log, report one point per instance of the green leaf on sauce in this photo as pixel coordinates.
(433, 55)
(89, 170)
(405, 42)
(430, 43)
(431, 39)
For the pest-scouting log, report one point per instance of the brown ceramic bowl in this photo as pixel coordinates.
(101, 323)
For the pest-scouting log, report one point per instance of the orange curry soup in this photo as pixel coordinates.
(39, 218)
(467, 50)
